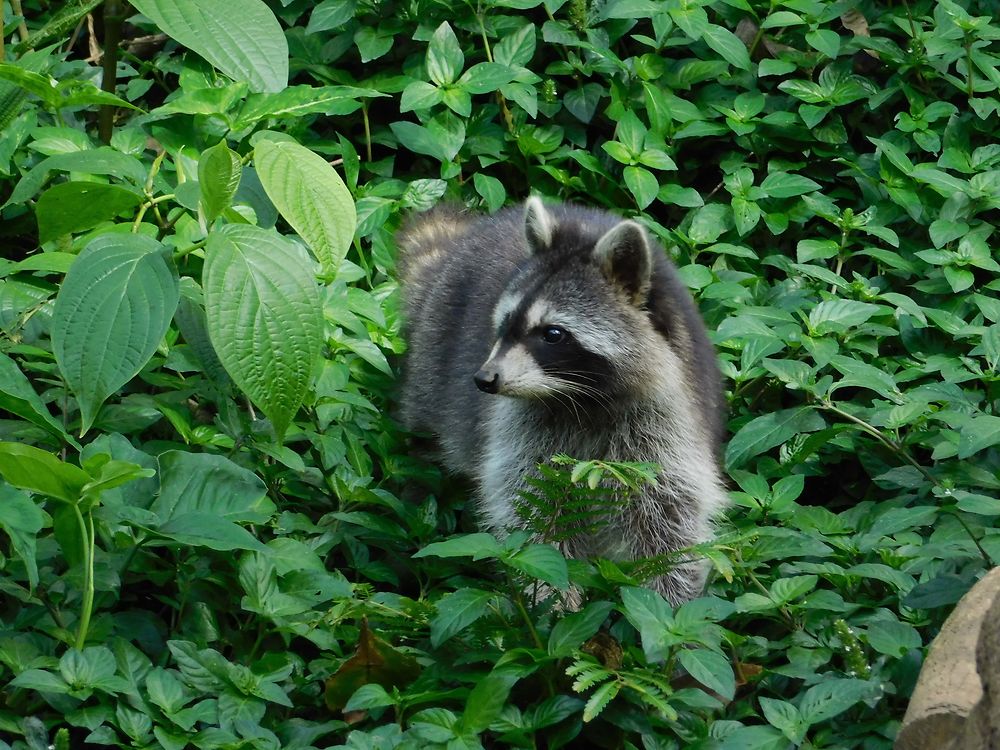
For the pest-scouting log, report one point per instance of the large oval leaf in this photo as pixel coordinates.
(74, 206)
(264, 316)
(110, 315)
(242, 38)
(311, 196)
(203, 483)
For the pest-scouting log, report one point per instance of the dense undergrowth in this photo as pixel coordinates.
(214, 535)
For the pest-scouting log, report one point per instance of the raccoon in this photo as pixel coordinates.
(562, 329)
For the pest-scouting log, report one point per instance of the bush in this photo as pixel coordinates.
(206, 538)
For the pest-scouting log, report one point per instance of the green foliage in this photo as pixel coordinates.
(203, 538)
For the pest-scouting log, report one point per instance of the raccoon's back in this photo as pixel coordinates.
(453, 267)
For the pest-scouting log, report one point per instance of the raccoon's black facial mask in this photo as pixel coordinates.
(561, 356)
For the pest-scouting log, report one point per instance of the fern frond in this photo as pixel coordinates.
(587, 674)
(567, 498)
(600, 699)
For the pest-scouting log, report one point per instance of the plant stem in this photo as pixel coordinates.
(22, 27)
(113, 18)
(968, 64)
(368, 131)
(87, 537)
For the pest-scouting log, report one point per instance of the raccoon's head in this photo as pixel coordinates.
(571, 322)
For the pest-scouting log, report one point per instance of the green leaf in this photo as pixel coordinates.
(298, 101)
(710, 668)
(769, 430)
(834, 696)
(746, 214)
(709, 222)
(457, 611)
(893, 638)
(444, 56)
(650, 614)
(690, 17)
(40, 680)
(491, 190)
(485, 77)
(111, 313)
(642, 184)
(784, 716)
(18, 397)
(440, 138)
(786, 590)
(22, 518)
(978, 433)
(570, 632)
(838, 315)
(477, 546)
(369, 696)
(826, 41)
(264, 317)
(420, 95)
(582, 101)
(808, 250)
(208, 530)
(943, 231)
(242, 38)
(485, 702)
(971, 502)
(863, 375)
(71, 207)
(727, 44)
(96, 161)
(543, 562)
(600, 699)
(786, 185)
(90, 668)
(219, 170)
(311, 196)
(205, 483)
(517, 48)
(959, 279)
(331, 14)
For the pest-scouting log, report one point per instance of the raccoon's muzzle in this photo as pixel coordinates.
(488, 381)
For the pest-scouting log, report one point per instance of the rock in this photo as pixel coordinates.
(956, 702)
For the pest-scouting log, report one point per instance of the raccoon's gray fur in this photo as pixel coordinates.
(581, 340)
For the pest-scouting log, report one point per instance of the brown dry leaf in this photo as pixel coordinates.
(746, 30)
(746, 672)
(605, 649)
(375, 661)
(854, 21)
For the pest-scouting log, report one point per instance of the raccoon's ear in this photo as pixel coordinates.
(624, 257)
(538, 226)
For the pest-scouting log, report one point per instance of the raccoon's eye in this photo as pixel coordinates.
(553, 335)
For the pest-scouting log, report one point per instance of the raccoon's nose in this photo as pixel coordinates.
(488, 381)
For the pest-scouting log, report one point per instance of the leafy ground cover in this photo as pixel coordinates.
(214, 533)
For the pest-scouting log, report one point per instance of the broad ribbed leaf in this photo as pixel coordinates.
(264, 316)
(219, 170)
(18, 397)
(242, 38)
(74, 206)
(311, 196)
(38, 471)
(763, 433)
(203, 483)
(110, 315)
